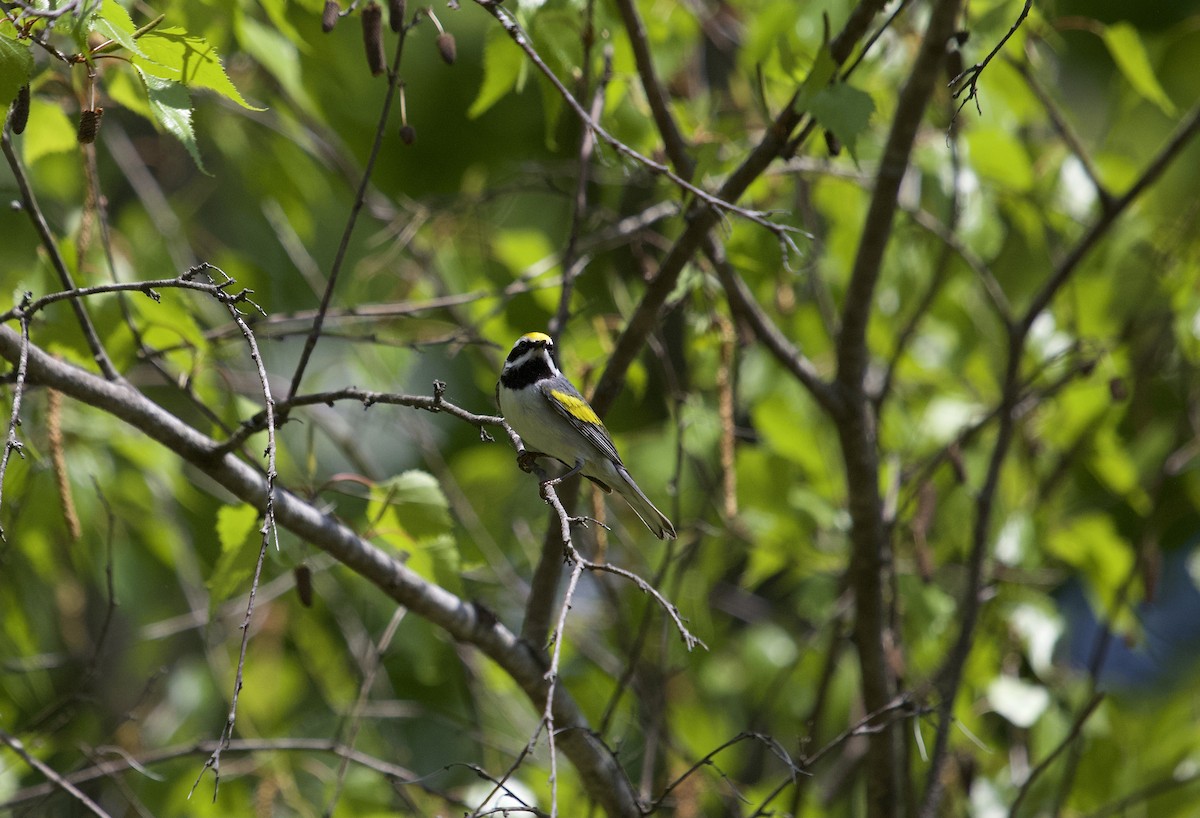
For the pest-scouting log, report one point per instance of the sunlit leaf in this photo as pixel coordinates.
(504, 70)
(174, 54)
(237, 532)
(114, 23)
(844, 110)
(49, 131)
(1129, 52)
(16, 68)
(171, 105)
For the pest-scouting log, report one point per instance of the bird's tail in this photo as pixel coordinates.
(654, 519)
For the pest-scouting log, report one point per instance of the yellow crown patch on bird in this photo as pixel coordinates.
(536, 336)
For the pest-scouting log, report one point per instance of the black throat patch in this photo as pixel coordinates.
(527, 373)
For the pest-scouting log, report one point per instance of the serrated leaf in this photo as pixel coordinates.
(503, 71)
(171, 105)
(240, 541)
(114, 23)
(49, 131)
(173, 54)
(1129, 53)
(844, 110)
(16, 68)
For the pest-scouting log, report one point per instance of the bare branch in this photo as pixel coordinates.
(1072, 735)
(856, 424)
(268, 530)
(11, 443)
(674, 143)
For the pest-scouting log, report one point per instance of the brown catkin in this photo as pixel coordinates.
(20, 110)
(372, 25)
(447, 47)
(396, 12)
(89, 125)
(58, 459)
(329, 15)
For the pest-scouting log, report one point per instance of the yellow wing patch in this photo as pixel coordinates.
(578, 407)
(535, 336)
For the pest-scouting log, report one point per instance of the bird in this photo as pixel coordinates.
(554, 419)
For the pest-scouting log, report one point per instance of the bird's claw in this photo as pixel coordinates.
(527, 460)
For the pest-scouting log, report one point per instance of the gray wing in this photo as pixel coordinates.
(595, 433)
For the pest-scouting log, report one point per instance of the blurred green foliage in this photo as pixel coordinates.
(236, 133)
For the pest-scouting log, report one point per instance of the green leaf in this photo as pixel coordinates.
(418, 501)
(279, 55)
(504, 68)
(997, 156)
(1131, 58)
(16, 68)
(237, 532)
(1091, 544)
(822, 71)
(173, 54)
(49, 131)
(114, 23)
(171, 105)
(844, 110)
(438, 559)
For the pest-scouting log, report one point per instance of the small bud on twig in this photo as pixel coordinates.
(329, 16)
(372, 25)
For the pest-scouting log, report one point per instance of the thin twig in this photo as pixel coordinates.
(374, 661)
(141, 763)
(572, 263)
(435, 403)
(360, 198)
(30, 205)
(1067, 740)
(674, 143)
(11, 443)
(1063, 128)
(715, 201)
(707, 761)
(744, 306)
(268, 530)
(1066, 267)
(968, 80)
(57, 780)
